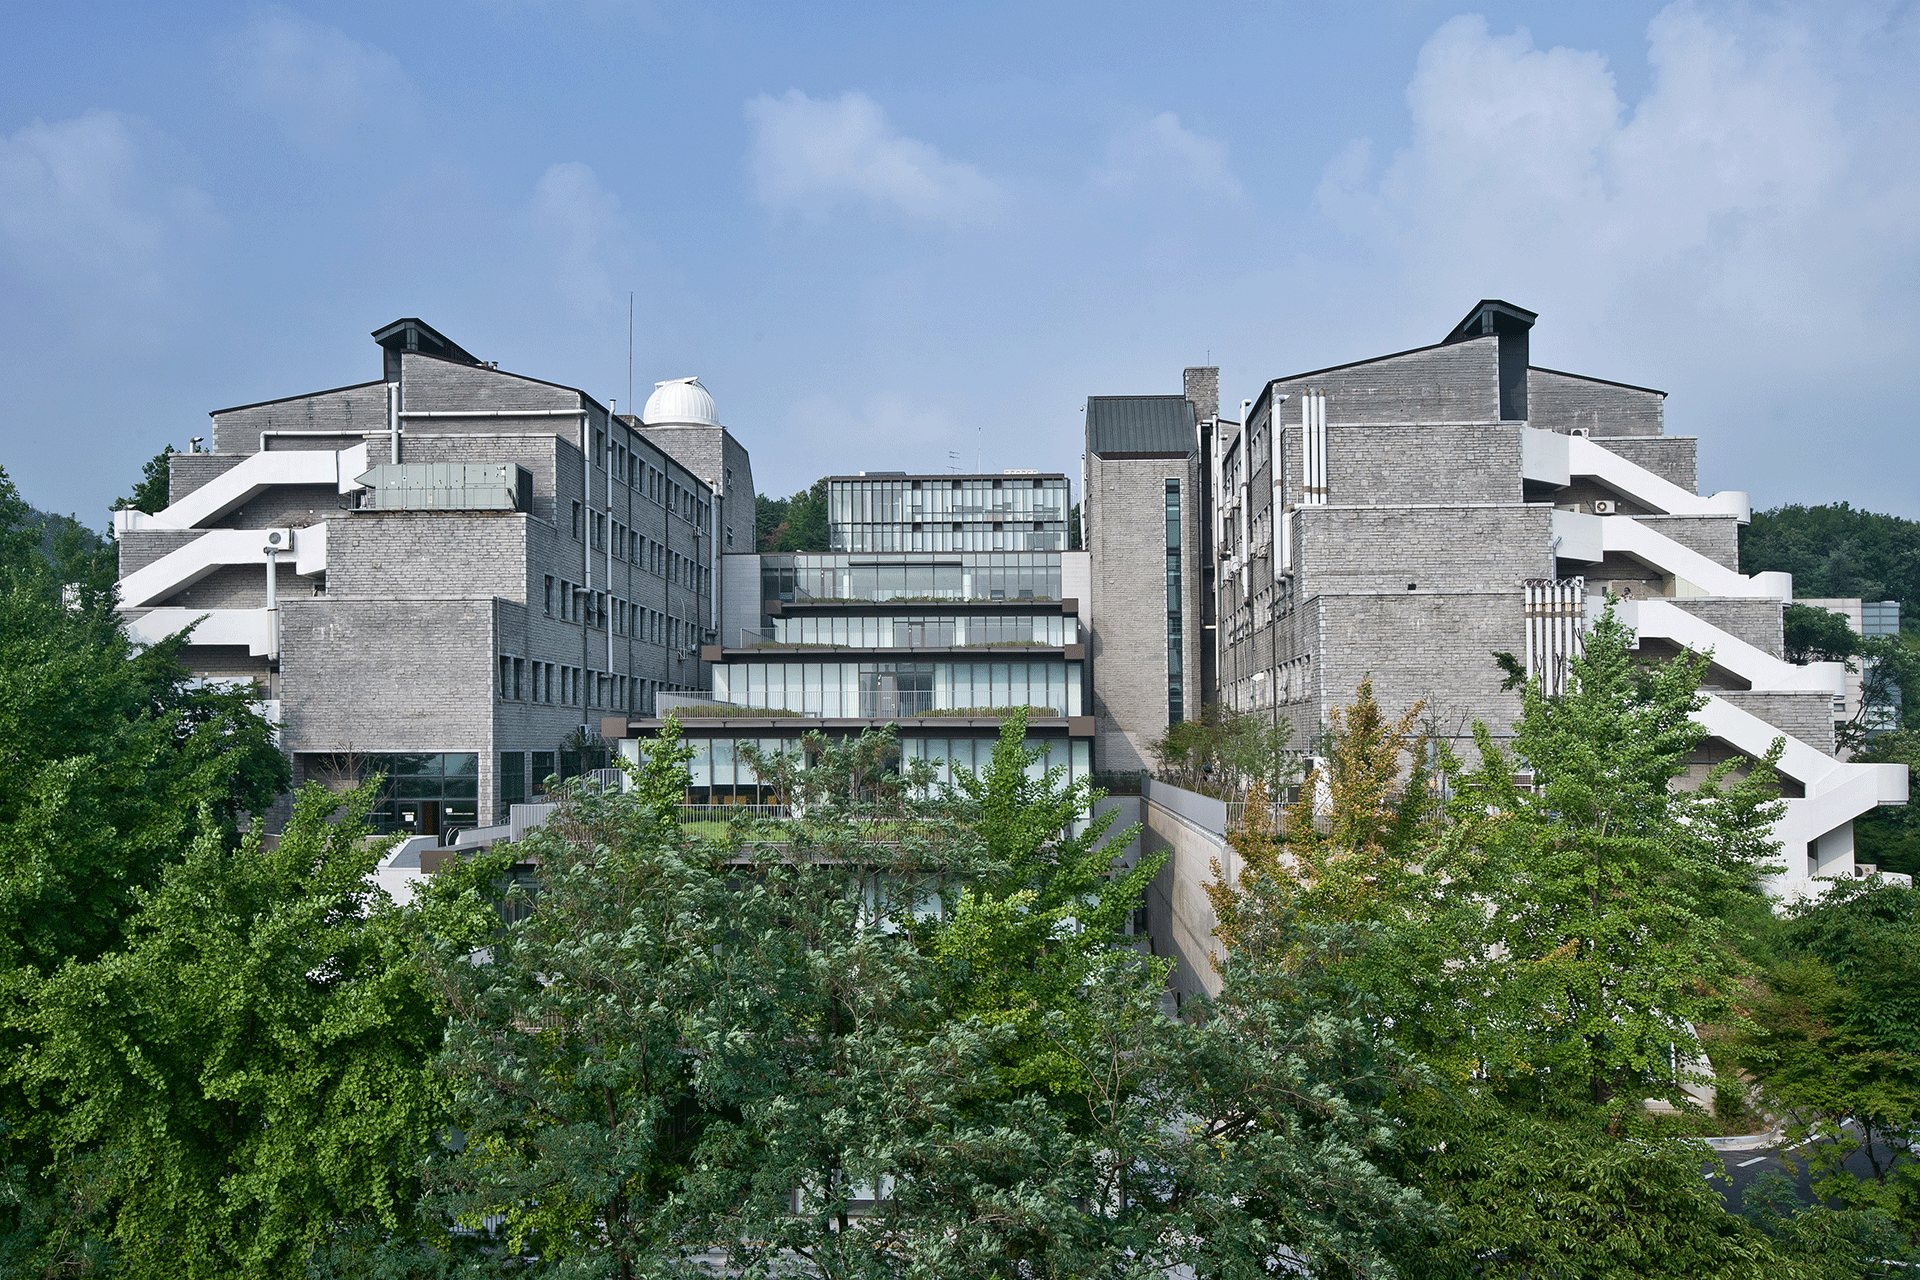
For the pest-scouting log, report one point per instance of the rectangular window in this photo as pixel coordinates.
(600, 609)
(512, 781)
(599, 446)
(549, 596)
(576, 522)
(542, 766)
(506, 675)
(519, 676)
(1176, 690)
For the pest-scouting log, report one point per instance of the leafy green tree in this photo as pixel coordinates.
(115, 763)
(997, 1100)
(1607, 883)
(1833, 1037)
(246, 1077)
(1836, 551)
(1889, 837)
(1539, 951)
(1818, 635)
(1223, 753)
(796, 523)
(1042, 902)
(110, 753)
(1536, 1194)
(568, 1048)
(153, 492)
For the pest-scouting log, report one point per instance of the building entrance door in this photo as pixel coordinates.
(422, 817)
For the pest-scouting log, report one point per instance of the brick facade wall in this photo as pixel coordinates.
(1758, 622)
(1715, 537)
(1125, 521)
(1561, 402)
(1460, 383)
(352, 411)
(1672, 458)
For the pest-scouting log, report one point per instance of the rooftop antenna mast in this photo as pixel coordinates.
(629, 351)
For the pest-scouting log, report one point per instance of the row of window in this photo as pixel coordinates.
(522, 680)
(651, 483)
(719, 762)
(891, 689)
(571, 602)
(1001, 536)
(556, 684)
(1003, 576)
(928, 632)
(1176, 689)
(871, 501)
(644, 553)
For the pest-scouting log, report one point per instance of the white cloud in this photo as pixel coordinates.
(812, 156)
(95, 219)
(1161, 151)
(1766, 188)
(321, 85)
(580, 237)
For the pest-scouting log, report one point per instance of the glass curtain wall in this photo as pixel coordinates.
(927, 632)
(719, 773)
(948, 513)
(885, 689)
(800, 576)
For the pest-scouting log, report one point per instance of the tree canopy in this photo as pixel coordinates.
(796, 523)
(1836, 551)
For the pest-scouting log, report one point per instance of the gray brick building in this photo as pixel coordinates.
(1410, 515)
(444, 574)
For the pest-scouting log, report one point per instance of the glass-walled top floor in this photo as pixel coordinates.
(903, 499)
(800, 576)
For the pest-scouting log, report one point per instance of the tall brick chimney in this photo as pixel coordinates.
(1201, 385)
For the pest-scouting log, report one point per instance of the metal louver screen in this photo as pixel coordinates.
(1556, 618)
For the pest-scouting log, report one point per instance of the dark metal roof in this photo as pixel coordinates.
(414, 334)
(1491, 315)
(1140, 424)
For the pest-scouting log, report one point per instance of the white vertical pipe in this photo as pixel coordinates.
(1276, 432)
(273, 601)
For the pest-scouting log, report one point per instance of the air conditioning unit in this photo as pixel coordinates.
(1582, 432)
(1603, 506)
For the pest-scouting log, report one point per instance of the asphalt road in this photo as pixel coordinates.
(1743, 1167)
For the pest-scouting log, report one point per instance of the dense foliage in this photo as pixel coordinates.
(1544, 948)
(796, 523)
(1837, 552)
(1225, 753)
(907, 1029)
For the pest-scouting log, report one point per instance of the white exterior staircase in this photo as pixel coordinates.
(252, 476)
(217, 548)
(1663, 620)
(304, 550)
(1552, 458)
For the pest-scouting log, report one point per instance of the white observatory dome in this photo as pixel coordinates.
(679, 402)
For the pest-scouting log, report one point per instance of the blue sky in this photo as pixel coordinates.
(881, 234)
